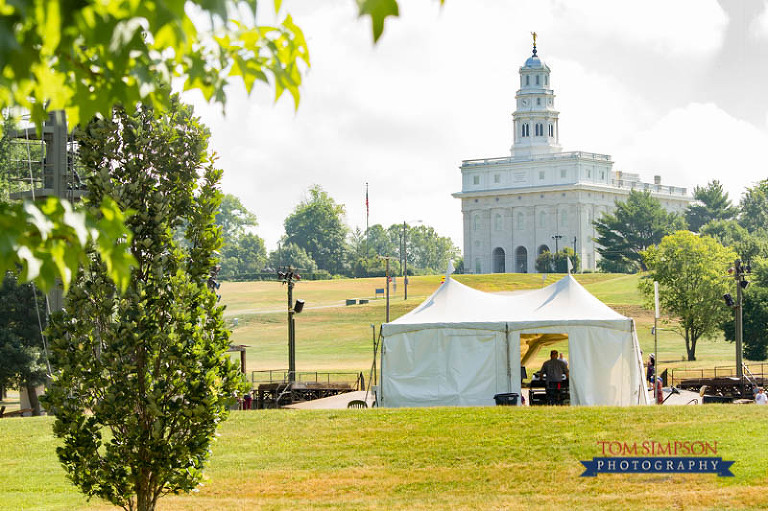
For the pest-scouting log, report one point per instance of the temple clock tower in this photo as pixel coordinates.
(535, 119)
(540, 198)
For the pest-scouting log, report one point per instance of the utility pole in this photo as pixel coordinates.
(405, 261)
(741, 283)
(289, 276)
(387, 274)
(387, 258)
(291, 334)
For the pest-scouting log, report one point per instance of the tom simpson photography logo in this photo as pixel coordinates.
(651, 457)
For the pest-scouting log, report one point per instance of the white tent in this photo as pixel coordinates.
(462, 346)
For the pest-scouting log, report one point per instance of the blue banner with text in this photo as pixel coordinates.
(639, 465)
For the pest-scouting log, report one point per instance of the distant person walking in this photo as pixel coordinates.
(247, 399)
(554, 371)
(761, 398)
(649, 370)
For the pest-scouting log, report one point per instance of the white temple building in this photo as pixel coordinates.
(540, 198)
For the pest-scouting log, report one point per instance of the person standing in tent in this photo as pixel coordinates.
(554, 371)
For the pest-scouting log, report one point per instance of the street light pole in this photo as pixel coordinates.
(557, 237)
(387, 273)
(291, 334)
(405, 261)
(738, 273)
(289, 276)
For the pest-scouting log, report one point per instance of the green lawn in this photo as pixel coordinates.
(440, 458)
(443, 458)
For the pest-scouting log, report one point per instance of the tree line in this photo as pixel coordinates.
(317, 240)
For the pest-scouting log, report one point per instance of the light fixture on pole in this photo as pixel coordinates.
(557, 238)
(289, 276)
(740, 272)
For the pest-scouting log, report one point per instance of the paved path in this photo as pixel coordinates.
(240, 312)
(333, 402)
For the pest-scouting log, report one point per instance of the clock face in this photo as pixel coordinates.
(524, 102)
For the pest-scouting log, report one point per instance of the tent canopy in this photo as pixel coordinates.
(461, 346)
(564, 301)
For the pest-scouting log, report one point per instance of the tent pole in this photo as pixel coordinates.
(509, 361)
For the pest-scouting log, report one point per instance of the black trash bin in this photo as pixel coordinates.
(506, 399)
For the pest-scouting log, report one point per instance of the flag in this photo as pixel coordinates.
(367, 208)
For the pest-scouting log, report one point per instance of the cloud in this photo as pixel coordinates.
(663, 27)
(759, 26)
(598, 111)
(695, 144)
(439, 88)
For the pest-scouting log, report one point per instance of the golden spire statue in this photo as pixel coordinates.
(534, 38)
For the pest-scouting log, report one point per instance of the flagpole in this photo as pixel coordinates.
(367, 216)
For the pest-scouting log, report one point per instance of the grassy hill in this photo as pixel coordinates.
(440, 458)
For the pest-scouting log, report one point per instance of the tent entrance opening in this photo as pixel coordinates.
(550, 383)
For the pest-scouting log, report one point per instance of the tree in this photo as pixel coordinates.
(246, 254)
(427, 251)
(754, 314)
(242, 251)
(638, 223)
(85, 57)
(290, 254)
(562, 257)
(384, 242)
(317, 226)
(754, 324)
(690, 270)
(234, 218)
(364, 253)
(748, 245)
(143, 379)
(712, 203)
(754, 207)
(22, 357)
(545, 262)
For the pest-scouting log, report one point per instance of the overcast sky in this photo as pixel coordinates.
(670, 87)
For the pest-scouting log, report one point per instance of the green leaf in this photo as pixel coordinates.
(378, 10)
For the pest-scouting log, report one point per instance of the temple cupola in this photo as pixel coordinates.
(535, 118)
